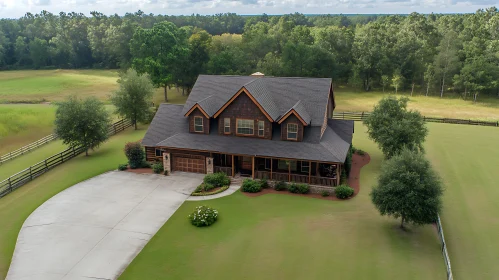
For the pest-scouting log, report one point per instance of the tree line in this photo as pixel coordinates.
(431, 54)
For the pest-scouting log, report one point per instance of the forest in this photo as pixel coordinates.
(428, 54)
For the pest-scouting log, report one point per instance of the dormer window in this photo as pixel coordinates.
(227, 125)
(245, 127)
(198, 124)
(292, 131)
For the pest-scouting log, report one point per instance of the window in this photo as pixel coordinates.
(245, 127)
(268, 164)
(198, 124)
(305, 166)
(227, 125)
(261, 126)
(292, 131)
(159, 153)
(283, 165)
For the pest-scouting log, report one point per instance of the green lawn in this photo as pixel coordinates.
(467, 158)
(17, 206)
(287, 237)
(448, 107)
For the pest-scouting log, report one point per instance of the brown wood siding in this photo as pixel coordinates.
(206, 122)
(244, 108)
(151, 154)
(284, 128)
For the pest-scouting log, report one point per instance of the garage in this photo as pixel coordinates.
(189, 163)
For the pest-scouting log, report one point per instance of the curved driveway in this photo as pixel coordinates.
(94, 229)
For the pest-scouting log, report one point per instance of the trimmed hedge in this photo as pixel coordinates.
(203, 216)
(343, 191)
(280, 186)
(123, 167)
(219, 179)
(251, 186)
(158, 167)
(298, 188)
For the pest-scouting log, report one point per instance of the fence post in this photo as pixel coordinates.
(46, 167)
(114, 128)
(74, 153)
(62, 158)
(30, 174)
(10, 185)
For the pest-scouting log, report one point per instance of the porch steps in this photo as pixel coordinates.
(237, 180)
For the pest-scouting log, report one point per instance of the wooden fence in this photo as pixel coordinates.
(19, 179)
(360, 116)
(27, 148)
(444, 249)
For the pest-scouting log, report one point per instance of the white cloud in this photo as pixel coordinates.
(16, 8)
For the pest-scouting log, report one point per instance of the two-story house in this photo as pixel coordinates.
(256, 126)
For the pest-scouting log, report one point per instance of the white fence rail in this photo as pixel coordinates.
(21, 151)
(444, 249)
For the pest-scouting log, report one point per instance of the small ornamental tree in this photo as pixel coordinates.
(393, 127)
(408, 188)
(82, 122)
(134, 96)
(135, 154)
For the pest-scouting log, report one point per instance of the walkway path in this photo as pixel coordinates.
(229, 191)
(94, 229)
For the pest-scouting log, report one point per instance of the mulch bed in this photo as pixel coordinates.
(140, 170)
(358, 162)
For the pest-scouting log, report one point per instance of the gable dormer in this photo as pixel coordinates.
(199, 121)
(293, 122)
(244, 116)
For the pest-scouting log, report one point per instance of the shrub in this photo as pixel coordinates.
(264, 183)
(157, 167)
(343, 191)
(207, 187)
(361, 152)
(123, 166)
(325, 193)
(280, 186)
(219, 179)
(203, 216)
(251, 186)
(146, 164)
(135, 154)
(298, 188)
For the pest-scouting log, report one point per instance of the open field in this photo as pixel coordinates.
(467, 158)
(432, 106)
(285, 237)
(17, 206)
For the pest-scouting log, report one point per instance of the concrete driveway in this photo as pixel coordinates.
(94, 229)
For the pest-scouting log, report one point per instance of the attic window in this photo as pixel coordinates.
(198, 124)
(292, 131)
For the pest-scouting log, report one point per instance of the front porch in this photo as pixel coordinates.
(308, 172)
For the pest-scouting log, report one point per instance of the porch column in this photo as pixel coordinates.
(271, 163)
(253, 168)
(309, 171)
(289, 171)
(233, 167)
(209, 165)
(338, 174)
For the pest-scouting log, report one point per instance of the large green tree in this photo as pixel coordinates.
(159, 51)
(394, 128)
(134, 97)
(82, 122)
(408, 188)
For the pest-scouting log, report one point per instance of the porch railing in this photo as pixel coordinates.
(226, 170)
(298, 178)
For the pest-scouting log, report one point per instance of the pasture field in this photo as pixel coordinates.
(487, 108)
(467, 158)
(277, 236)
(17, 206)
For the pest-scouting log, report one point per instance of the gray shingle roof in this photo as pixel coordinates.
(300, 110)
(170, 128)
(276, 94)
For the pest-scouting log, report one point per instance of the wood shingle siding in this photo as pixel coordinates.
(206, 122)
(284, 129)
(244, 108)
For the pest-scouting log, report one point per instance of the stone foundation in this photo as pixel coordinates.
(166, 163)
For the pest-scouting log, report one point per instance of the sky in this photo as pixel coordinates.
(17, 8)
